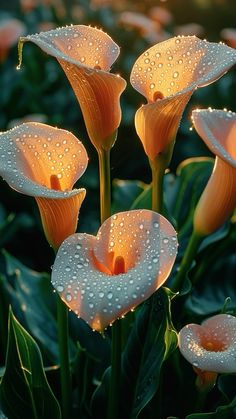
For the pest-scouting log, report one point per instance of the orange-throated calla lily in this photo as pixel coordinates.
(86, 55)
(211, 346)
(101, 278)
(45, 162)
(167, 74)
(217, 128)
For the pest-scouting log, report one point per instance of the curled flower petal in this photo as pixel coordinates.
(86, 55)
(212, 345)
(101, 278)
(175, 67)
(45, 162)
(156, 123)
(218, 130)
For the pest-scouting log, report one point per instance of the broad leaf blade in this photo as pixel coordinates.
(148, 346)
(24, 390)
(30, 293)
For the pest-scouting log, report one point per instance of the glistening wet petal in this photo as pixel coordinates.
(167, 75)
(103, 277)
(86, 55)
(218, 130)
(45, 162)
(211, 346)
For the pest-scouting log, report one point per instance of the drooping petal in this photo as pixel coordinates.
(217, 128)
(86, 55)
(31, 153)
(180, 63)
(84, 274)
(211, 346)
(157, 123)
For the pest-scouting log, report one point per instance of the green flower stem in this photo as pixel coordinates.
(113, 405)
(105, 208)
(187, 260)
(105, 184)
(158, 172)
(158, 167)
(63, 340)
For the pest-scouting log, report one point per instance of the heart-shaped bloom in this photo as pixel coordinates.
(167, 74)
(101, 278)
(212, 345)
(86, 55)
(217, 128)
(45, 162)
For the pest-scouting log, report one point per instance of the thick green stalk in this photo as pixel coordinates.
(105, 212)
(63, 341)
(158, 172)
(105, 184)
(158, 167)
(187, 260)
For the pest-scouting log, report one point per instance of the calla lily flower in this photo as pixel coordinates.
(211, 346)
(101, 278)
(217, 128)
(167, 74)
(86, 55)
(44, 162)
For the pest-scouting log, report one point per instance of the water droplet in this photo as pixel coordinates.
(109, 295)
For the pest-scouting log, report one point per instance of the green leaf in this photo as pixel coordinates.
(124, 193)
(150, 342)
(148, 346)
(24, 390)
(144, 200)
(217, 283)
(31, 295)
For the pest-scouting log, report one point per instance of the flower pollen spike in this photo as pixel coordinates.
(210, 347)
(167, 75)
(101, 278)
(44, 162)
(217, 128)
(86, 55)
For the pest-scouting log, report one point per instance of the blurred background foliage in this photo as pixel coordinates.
(41, 92)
